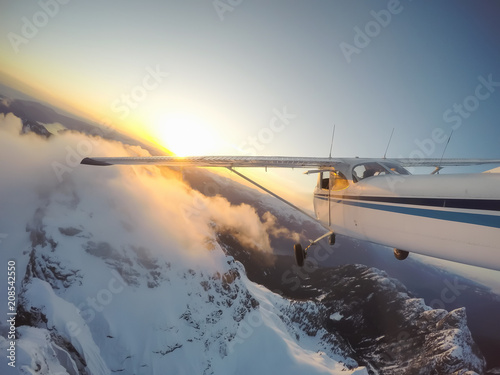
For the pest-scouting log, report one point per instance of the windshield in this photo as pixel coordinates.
(371, 169)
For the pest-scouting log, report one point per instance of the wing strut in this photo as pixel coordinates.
(277, 196)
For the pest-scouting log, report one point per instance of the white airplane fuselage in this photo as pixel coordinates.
(453, 217)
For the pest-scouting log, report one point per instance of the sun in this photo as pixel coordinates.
(186, 134)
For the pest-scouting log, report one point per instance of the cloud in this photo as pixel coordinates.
(270, 223)
(155, 206)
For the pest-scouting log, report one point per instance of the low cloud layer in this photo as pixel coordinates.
(156, 207)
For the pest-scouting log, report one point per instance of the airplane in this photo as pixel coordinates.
(454, 217)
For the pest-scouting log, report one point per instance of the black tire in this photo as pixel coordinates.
(401, 254)
(300, 255)
(331, 239)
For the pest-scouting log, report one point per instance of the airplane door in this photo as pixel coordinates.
(338, 183)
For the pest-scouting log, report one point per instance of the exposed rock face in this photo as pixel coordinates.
(389, 330)
(393, 331)
(51, 269)
(35, 127)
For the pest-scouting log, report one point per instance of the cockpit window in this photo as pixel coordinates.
(371, 169)
(395, 168)
(333, 180)
(366, 170)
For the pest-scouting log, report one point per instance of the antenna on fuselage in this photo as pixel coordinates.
(331, 144)
(387, 148)
(438, 167)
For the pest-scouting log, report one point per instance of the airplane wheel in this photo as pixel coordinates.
(401, 254)
(300, 254)
(331, 239)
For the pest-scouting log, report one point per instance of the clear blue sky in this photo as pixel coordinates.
(232, 64)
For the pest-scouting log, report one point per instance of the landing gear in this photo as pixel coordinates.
(331, 239)
(300, 254)
(401, 254)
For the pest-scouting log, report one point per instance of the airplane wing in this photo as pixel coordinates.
(219, 161)
(274, 161)
(442, 162)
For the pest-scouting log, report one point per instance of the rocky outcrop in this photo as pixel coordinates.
(388, 329)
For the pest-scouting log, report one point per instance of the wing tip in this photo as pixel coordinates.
(90, 161)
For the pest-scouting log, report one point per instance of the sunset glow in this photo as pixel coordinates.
(185, 134)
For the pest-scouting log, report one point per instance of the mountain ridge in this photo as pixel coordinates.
(95, 247)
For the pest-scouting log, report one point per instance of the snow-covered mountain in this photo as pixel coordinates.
(129, 270)
(114, 276)
(390, 331)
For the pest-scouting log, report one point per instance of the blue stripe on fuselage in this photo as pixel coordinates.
(461, 217)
